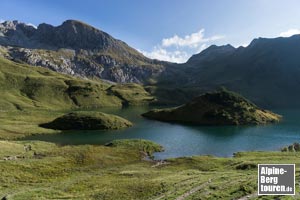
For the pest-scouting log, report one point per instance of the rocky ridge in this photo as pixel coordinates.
(77, 49)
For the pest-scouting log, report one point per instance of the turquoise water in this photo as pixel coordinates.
(183, 140)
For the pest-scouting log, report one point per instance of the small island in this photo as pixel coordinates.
(87, 121)
(222, 107)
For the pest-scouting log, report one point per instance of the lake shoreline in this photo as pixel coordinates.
(71, 171)
(179, 140)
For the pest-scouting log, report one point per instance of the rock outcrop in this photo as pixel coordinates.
(77, 49)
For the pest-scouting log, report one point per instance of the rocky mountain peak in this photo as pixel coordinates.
(78, 35)
(15, 33)
(8, 26)
(219, 49)
(78, 28)
(76, 23)
(71, 34)
(212, 52)
(257, 41)
(76, 48)
(44, 26)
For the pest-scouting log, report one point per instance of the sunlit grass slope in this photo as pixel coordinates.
(23, 86)
(120, 172)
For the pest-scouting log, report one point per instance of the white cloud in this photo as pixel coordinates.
(163, 54)
(289, 32)
(192, 40)
(180, 49)
(2, 20)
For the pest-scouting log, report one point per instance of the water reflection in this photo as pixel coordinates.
(183, 140)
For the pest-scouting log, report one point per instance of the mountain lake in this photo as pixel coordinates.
(184, 140)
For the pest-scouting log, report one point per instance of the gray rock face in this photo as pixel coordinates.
(14, 33)
(77, 49)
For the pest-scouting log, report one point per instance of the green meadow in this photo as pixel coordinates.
(120, 171)
(124, 169)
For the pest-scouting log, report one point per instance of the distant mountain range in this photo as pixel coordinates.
(267, 71)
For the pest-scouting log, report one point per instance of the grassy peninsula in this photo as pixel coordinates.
(222, 107)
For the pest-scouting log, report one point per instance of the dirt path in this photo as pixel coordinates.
(193, 190)
(183, 196)
(249, 196)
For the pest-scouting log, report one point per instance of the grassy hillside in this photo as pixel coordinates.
(87, 121)
(222, 107)
(23, 86)
(34, 95)
(119, 172)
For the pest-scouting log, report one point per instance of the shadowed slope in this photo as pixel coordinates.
(217, 108)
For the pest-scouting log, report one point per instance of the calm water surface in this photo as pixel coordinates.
(183, 140)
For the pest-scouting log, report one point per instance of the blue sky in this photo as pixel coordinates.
(167, 29)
